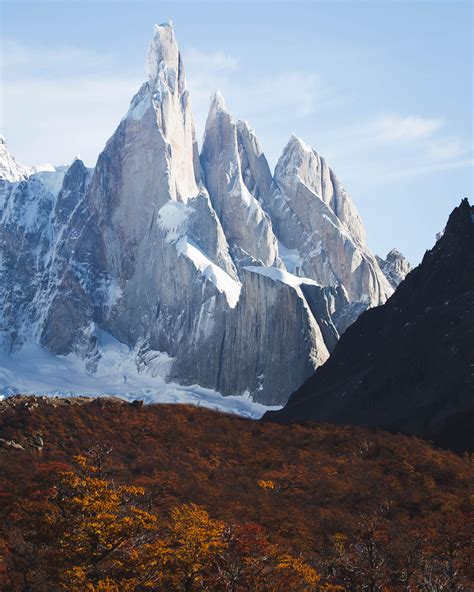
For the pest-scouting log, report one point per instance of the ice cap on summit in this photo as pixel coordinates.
(217, 101)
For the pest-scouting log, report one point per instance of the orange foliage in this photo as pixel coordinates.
(179, 494)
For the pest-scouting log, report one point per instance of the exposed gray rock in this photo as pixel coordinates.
(246, 360)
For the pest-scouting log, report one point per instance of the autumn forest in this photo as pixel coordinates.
(102, 495)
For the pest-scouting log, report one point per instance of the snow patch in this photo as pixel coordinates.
(281, 276)
(172, 218)
(222, 280)
(42, 167)
(52, 179)
(111, 291)
(291, 258)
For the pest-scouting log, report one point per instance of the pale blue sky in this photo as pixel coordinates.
(382, 89)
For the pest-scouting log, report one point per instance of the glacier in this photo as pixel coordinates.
(35, 370)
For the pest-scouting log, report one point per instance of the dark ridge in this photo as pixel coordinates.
(407, 366)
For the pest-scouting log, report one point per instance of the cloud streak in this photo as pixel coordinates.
(395, 127)
(394, 146)
(59, 101)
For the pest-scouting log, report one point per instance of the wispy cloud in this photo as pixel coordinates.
(58, 101)
(394, 146)
(19, 60)
(263, 100)
(395, 127)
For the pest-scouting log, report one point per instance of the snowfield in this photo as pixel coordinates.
(33, 370)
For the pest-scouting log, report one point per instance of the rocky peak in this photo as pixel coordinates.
(319, 228)
(299, 163)
(236, 174)
(395, 267)
(152, 157)
(163, 61)
(217, 103)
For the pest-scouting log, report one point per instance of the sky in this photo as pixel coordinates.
(383, 89)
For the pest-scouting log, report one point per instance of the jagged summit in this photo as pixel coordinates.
(236, 176)
(295, 142)
(395, 267)
(160, 122)
(163, 57)
(320, 232)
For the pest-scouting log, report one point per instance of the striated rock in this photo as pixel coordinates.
(247, 360)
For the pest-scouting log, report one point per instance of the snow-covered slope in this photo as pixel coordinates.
(10, 169)
(231, 280)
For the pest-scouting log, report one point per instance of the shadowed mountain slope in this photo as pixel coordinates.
(407, 365)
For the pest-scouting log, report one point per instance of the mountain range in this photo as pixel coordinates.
(194, 268)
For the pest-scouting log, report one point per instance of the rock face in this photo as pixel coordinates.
(209, 269)
(36, 237)
(394, 267)
(407, 365)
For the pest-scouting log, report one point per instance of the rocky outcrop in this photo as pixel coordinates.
(394, 267)
(407, 365)
(40, 224)
(246, 360)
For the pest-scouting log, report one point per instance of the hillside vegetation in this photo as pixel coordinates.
(105, 495)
